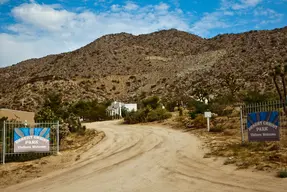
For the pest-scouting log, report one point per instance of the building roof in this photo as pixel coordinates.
(17, 115)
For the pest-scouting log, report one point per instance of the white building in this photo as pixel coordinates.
(115, 108)
(131, 107)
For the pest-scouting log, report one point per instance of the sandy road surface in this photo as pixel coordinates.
(149, 159)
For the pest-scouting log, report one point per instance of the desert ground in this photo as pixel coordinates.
(148, 158)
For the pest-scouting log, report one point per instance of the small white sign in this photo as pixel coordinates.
(207, 114)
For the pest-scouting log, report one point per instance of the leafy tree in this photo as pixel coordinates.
(197, 106)
(46, 115)
(124, 111)
(152, 102)
(152, 111)
(170, 105)
(280, 71)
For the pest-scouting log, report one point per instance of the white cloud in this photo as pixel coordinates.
(43, 29)
(267, 16)
(267, 12)
(115, 8)
(244, 4)
(43, 17)
(131, 6)
(208, 22)
(162, 7)
(229, 13)
(3, 1)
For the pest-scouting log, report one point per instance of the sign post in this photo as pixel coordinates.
(208, 116)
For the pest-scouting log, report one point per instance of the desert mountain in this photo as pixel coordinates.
(169, 63)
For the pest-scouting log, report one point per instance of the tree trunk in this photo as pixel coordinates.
(278, 91)
(284, 89)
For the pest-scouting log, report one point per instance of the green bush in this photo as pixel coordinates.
(255, 96)
(152, 102)
(170, 106)
(134, 117)
(151, 111)
(46, 115)
(192, 114)
(158, 114)
(124, 111)
(197, 106)
(282, 174)
(217, 128)
(199, 121)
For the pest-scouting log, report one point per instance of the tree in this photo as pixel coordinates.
(152, 102)
(280, 71)
(46, 115)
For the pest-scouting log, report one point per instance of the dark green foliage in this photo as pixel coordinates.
(46, 115)
(74, 124)
(180, 110)
(158, 114)
(197, 106)
(124, 112)
(170, 106)
(152, 111)
(135, 117)
(218, 108)
(256, 97)
(56, 110)
(3, 119)
(217, 128)
(192, 114)
(282, 174)
(54, 102)
(152, 102)
(90, 110)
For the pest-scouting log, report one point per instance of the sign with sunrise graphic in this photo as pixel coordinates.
(31, 140)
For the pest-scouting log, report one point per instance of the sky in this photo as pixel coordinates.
(36, 28)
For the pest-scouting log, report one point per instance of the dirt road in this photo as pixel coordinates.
(149, 159)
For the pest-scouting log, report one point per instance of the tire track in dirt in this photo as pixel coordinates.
(149, 159)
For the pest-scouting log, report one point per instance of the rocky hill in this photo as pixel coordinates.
(169, 63)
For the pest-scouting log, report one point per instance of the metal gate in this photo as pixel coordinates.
(18, 139)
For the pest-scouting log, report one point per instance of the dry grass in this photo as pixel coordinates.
(225, 140)
(71, 150)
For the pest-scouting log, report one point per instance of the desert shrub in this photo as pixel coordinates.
(255, 96)
(197, 106)
(217, 128)
(46, 115)
(199, 121)
(192, 114)
(152, 102)
(151, 111)
(282, 174)
(134, 117)
(90, 110)
(180, 111)
(124, 111)
(217, 108)
(158, 115)
(170, 106)
(68, 114)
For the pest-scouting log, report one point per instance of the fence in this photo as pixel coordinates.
(264, 117)
(18, 140)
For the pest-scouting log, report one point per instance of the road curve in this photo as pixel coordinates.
(148, 159)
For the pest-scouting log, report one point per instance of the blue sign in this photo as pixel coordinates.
(31, 139)
(263, 126)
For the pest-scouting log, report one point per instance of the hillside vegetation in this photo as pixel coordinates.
(169, 63)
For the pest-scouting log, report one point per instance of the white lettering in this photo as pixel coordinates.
(261, 128)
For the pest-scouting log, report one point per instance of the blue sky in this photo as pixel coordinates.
(35, 28)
